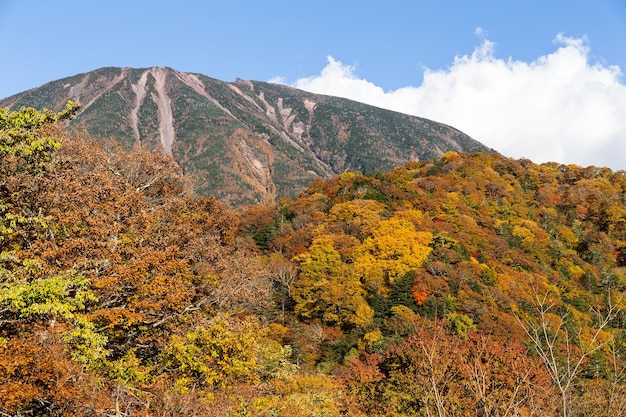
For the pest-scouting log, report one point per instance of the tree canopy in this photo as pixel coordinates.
(468, 285)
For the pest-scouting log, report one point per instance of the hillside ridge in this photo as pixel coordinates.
(497, 282)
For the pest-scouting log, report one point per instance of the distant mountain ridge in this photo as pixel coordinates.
(244, 141)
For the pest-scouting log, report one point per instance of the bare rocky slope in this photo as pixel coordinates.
(243, 141)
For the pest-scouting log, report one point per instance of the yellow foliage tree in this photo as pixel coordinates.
(356, 217)
(328, 289)
(394, 249)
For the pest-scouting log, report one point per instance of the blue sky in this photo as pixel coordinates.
(536, 79)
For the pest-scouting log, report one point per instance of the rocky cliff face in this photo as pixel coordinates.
(245, 141)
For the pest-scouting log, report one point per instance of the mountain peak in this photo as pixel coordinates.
(245, 141)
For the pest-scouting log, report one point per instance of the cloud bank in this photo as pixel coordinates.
(561, 107)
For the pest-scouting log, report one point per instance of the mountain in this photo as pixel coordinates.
(243, 141)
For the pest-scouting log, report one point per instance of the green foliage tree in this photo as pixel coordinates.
(25, 145)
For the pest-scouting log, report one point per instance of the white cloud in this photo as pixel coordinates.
(560, 107)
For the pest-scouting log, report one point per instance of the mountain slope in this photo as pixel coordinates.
(245, 141)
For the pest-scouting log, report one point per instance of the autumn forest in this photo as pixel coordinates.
(468, 285)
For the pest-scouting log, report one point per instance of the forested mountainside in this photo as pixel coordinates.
(471, 284)
(245, 141)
